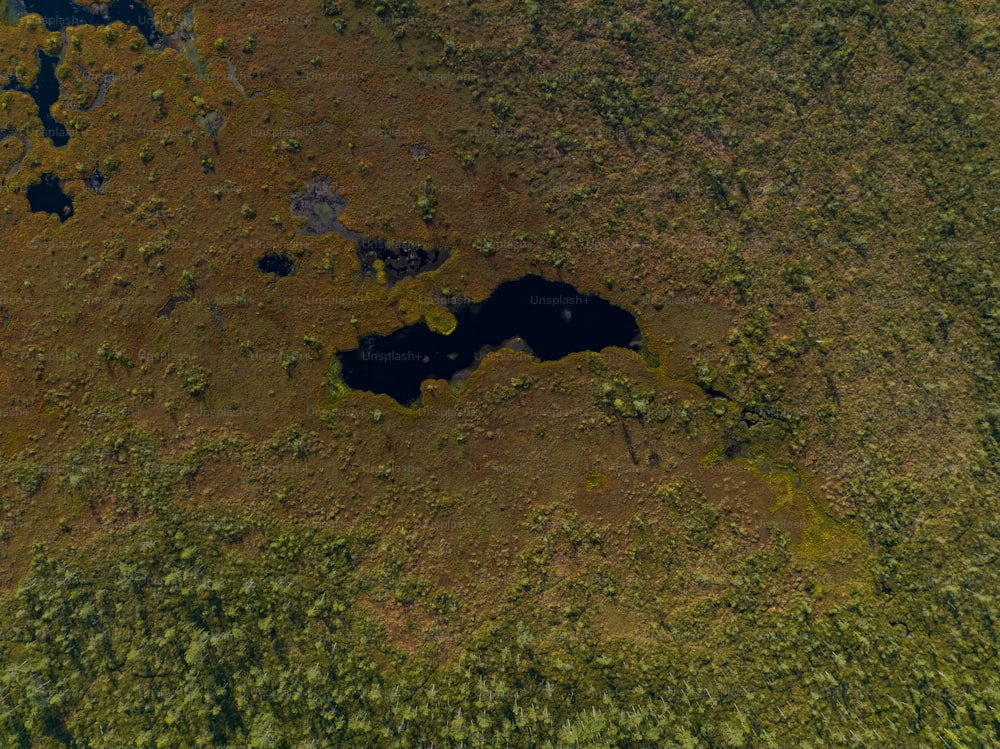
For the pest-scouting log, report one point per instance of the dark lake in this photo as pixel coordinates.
(47, 196)
(45, 92)
(547, 319)
(58, 14)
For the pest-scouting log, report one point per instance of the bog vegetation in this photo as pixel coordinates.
(781, 529)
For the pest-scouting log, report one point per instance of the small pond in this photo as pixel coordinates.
(47, 196)
(321, 205)
(278, 263)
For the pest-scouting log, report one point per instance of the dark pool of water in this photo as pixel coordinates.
(58, 14)
(210, 122)
(278, 263)
(168, 309)
(48, 196)
(45, 92)
(321, 205)
(399, 259)
(95, 182)
(549, 319)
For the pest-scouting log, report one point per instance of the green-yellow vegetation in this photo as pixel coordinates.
(336, 390)
(440, 320)
(194, 379)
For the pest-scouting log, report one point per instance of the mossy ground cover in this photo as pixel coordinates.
(776, 530)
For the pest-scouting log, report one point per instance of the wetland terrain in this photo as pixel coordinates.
(498, 374)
